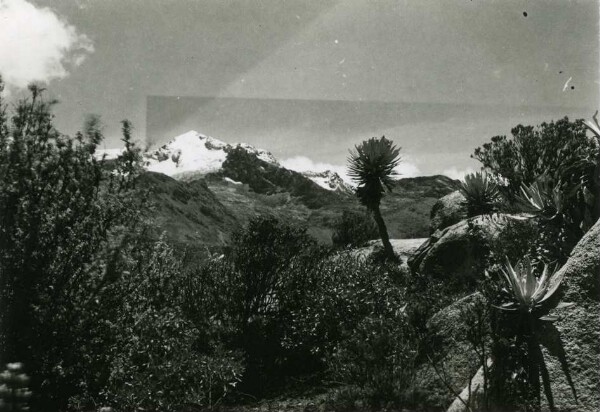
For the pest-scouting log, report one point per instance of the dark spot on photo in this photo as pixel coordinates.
(572, 87)
(525, 13)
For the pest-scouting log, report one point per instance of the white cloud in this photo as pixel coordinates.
(36, 44)
(454, 173)
(407, 168)
(304, 164)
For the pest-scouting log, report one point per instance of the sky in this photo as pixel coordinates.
(307, 80)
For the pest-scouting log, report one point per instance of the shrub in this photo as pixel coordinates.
(482, 195)
(353, 229)
(354, 321)
(243, 298)
(90, 302)
(58, 205)
(552, 165)
(293, 309)
(560, 150)
(377, 359)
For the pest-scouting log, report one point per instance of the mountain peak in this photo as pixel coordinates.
(329, 180)
(191, 154)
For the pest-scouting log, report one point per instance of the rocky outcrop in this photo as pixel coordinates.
(571, 347)
(455, 253)
(448, 211)
(571, 344)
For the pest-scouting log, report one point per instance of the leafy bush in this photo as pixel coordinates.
(482, 195)
(58, 205)
(89, 301)
(552, 168)
(560, 150)
(354, 320)
(293, 309)
(243, 298)
(149, 352)
(353, 229)
(377, 359)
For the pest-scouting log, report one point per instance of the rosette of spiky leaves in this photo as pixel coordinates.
(481, 193)
(528, 293)
(371, 165)
(542, 198)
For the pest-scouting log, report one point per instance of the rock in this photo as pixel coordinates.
(448, 211)
(572, 355)
(472, 395)
(454, 254)
(455, 360)
(403, 248)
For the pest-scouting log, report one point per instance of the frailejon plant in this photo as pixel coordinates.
(371, 165)
(529, 293)
(530, 297)
(481, 193)
(543, 198)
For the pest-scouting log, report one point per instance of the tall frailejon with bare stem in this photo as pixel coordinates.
(371, 165)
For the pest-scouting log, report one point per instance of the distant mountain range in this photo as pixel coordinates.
(203, 189)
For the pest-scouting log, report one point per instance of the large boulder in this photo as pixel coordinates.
(451, 361)
(455, 253)
(403, 248)
(572, 345)
(448, 211)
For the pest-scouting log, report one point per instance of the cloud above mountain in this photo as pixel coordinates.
(459, 174)
(305, 164)
(37, 45)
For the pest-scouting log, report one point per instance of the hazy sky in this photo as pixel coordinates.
(314, 77)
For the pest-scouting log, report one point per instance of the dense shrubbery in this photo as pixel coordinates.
(242, 299)
(90, 304)
(548, 170)
(294, 309)
(353, 229)
(58, 208)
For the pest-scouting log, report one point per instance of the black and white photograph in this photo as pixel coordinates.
(299, 205)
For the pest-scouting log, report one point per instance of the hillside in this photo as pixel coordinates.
(208, 210)
(189, 212)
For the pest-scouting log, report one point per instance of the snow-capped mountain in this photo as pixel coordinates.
(192, 154)
(329, 180)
